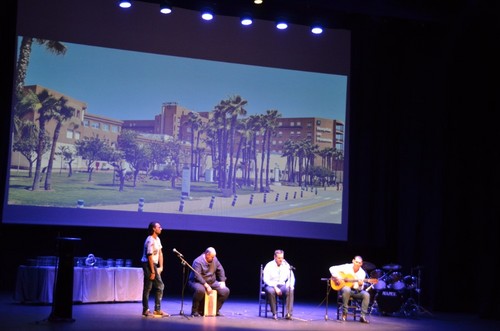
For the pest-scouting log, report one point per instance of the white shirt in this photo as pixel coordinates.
(278, 275)
(152, 247)
(347, 269)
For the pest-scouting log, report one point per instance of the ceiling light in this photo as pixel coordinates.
(282, 25)
(125, 4)
(246, 20)
(316, 29)
(165, 8)
(258, 2)
(207, 14)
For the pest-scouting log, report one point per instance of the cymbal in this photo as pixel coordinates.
(391, 267)
(368, 265)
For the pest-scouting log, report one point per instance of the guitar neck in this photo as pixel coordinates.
(367, 280)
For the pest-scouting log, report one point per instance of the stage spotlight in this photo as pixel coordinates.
(258, 2)
(246, 20)
(316, 29)
(125, 4)
(207, 14)
(165, 8)
(281, 24)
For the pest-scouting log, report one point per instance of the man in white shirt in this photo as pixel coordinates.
(279, 280)
(350, 279)
(152, 265)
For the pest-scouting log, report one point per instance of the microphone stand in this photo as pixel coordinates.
(328, 288)
(290, 292)
(420, 309)
(184, 279)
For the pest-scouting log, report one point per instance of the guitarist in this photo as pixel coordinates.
(349, 279)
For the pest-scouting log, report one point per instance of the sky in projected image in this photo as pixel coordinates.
(132, 85)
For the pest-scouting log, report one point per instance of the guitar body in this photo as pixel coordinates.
(348, 280)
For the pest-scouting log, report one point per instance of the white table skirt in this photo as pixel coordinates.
(129, 283)
(35, 284)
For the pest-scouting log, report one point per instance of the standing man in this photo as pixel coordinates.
(152, 265)
(341, 273)
(279, 281)
(208, 275)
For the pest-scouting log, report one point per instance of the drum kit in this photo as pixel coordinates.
(394, 293)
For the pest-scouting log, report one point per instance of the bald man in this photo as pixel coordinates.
(209, 275)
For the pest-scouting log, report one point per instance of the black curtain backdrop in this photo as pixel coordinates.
(423, 173)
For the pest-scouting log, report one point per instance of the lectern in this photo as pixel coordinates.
(62, 305)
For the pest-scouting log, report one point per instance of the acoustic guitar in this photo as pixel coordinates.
(348, 280)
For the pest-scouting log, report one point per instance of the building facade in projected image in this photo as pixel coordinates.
(322, 138)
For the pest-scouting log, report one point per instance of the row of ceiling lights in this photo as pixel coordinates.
(207, 14)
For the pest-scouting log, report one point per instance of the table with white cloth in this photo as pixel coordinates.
(35, 284)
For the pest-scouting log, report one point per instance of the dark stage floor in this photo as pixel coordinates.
(239, 314)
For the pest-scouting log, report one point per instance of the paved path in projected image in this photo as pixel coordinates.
(321, 205)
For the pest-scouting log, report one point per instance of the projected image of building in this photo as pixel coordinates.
(319, 140)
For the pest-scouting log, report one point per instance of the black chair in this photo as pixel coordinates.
(353, 307)
(264, 306)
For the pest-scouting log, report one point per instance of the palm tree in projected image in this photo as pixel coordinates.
(312, 150)
(305, 154)
(194, 123)
(210, 139)
(244, 131)
(270, 123)
(235, 108)
(200, 151)
(256, 128)
(43, 104)
(23, 60)
(290, 150)
(61, 113)
(219, 143)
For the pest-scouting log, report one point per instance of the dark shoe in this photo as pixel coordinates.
(275, 317)
(288, 316)
(344, 317)
(219, 314)
(363, 319)
(147, 313)
(195, 314)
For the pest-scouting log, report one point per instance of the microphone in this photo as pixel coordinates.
(177, 252)
(289, 265)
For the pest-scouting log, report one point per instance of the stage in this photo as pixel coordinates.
(239, 314)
